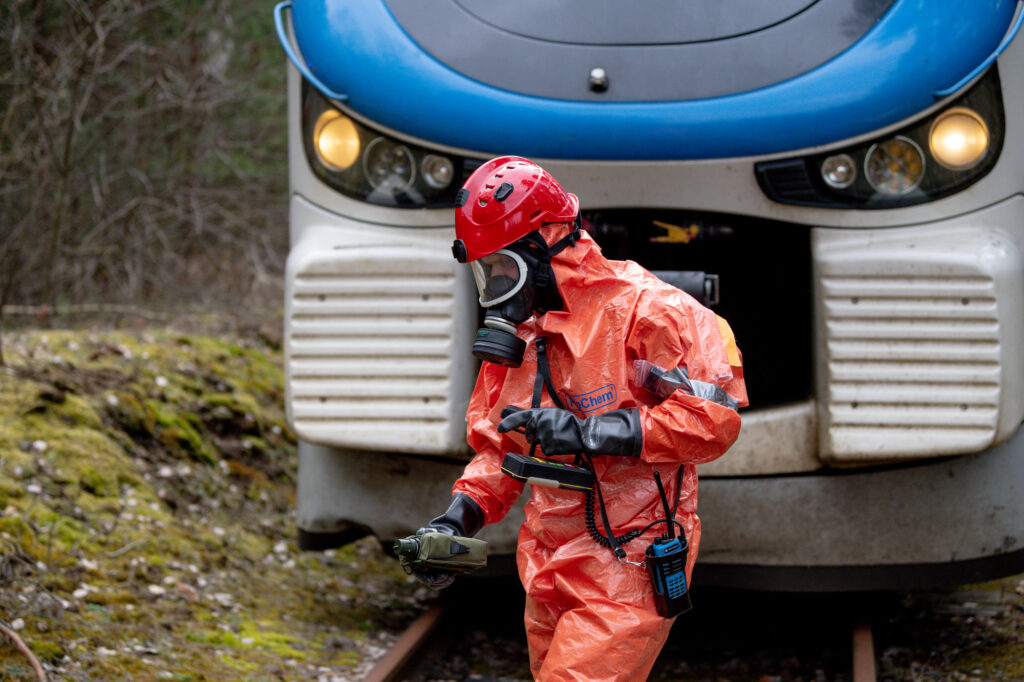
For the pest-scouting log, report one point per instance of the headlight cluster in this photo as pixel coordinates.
(373, 167)
(932, 158)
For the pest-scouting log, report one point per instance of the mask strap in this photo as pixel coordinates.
(543, 379)
(569, 239)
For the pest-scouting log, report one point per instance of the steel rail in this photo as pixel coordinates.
(394, 663)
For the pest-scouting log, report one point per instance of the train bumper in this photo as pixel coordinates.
(945, 522)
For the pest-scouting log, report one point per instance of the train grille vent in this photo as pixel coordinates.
(912, 365)
(370, 356)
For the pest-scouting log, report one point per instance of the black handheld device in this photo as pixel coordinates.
(666, 565)
(547, 472)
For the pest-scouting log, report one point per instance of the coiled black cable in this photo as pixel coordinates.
(599, 537)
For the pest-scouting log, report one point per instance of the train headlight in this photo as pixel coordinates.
(895, 166)
(438, 171)
(927, 159)
(336, 140)
(388, 165)
(958, 138)
(374, 166)
(839, 171)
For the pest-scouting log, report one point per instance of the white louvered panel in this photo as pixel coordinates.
(311, 285)
(309, 327)
(874, 372)
(906, 309)
(332, 386)
(912, 364)
(415, 436)
(915, 350)
(370, 348)
(332, 308)
(914, 288)
(355, 346)
(357, 409)
(860, 443)
(919, 393)
(367, 367)
(932, 330)
(910, 414)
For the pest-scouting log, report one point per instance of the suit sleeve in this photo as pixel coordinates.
(482, 479)
(687, 429)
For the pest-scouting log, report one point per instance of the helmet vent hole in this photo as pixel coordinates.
(535, 214)
(482, 202)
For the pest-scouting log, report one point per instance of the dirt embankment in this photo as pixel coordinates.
(146, 486)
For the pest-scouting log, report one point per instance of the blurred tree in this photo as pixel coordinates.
(142, 152)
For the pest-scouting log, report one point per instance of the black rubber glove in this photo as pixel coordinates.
(560, 432)
(464, 517)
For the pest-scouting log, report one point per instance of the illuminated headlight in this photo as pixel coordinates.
(958, 138)
(336, 140)
(375, 167)
(931, 158)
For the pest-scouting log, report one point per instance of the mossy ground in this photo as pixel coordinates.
(146, 487)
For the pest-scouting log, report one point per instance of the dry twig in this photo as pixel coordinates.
(25, 650)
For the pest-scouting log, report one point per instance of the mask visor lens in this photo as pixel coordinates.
(498, 276)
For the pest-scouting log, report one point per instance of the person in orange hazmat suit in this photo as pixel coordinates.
(565, 336)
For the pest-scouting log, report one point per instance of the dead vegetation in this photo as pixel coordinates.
(142, 154)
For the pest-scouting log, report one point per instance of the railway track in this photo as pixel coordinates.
(441, 634)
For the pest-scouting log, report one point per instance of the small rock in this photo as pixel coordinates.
(156, 590)
(10, 510)
(39, 446)
(223, 598)
(104, 651)
(219, 532)
(34, 488)
(161, 382)
(18, 624)
(113, 400)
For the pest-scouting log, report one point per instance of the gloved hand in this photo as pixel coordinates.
(560, 432)
(464, 517)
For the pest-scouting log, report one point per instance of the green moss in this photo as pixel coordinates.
(47, 651)
(268, 636)
(130, 488)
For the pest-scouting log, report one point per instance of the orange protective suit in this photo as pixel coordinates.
(588, 616)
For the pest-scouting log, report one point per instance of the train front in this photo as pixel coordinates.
(839, 179)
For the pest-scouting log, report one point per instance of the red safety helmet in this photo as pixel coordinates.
(504, 200)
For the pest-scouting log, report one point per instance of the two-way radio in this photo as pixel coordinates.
(666, 564)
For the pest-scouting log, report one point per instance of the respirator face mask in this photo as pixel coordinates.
(507, 282)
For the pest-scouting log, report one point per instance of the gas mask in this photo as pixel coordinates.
(513, 282)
